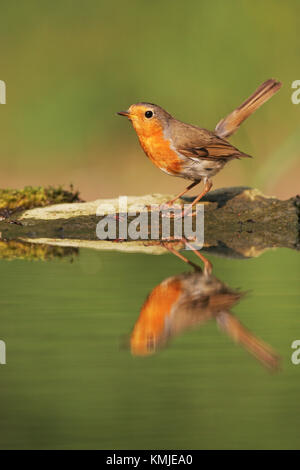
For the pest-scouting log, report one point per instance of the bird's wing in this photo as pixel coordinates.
(194, 142)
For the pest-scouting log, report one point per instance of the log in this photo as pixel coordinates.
(238, 222)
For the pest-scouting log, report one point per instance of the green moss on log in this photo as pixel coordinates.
(13, 200)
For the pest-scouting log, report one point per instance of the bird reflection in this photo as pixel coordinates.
(189, 300)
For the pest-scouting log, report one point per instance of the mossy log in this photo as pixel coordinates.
(238, 222)
(17, 200)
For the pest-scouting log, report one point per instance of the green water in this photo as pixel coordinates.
(68, 383)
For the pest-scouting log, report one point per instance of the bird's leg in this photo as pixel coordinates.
(179, 255)
(207, 188)
(207, 264)
(190, 186)
(170, 203)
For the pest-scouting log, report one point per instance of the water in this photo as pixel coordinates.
(71, 381)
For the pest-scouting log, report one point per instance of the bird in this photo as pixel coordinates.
(188, 300)
(188, 151)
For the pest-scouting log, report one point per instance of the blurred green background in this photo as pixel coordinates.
(69, 66)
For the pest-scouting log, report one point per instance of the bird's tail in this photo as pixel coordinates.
(227, 126)
(260, 350)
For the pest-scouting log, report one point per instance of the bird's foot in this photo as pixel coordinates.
(118, 217)
(180, 214)
(167, 209)
(173, 215)
(171, 210)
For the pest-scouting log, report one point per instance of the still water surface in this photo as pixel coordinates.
(71, 380)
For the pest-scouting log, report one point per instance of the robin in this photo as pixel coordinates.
(188, 151)
(189, 300)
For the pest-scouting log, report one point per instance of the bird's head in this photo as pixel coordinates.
(147, 118)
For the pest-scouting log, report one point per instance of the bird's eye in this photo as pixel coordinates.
(148, 114)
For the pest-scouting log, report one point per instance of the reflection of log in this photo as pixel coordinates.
(12, 249)
(238, 222)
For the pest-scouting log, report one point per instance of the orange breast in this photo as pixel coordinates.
(159, 150)
(154, 312)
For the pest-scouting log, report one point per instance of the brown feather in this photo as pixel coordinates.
(195, 142)
(227, 126)
(258, 348)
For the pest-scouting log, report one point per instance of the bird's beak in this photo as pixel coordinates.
(123, 113)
